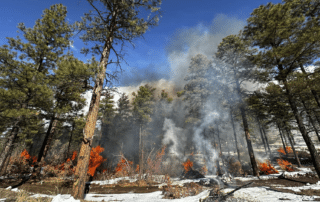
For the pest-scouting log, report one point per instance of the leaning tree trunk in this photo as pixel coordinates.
(70, 139)
(235, 135)
(219, 172)
(310, 118)
(262, 138)
(314, 93)
(266, 138)
(264, 135)
(9, 146)
(293, 147)
(4, 169)
(45, 146)
(281, 136)
(313, 152)
(253, 161)
(220, 146)
(84, 154)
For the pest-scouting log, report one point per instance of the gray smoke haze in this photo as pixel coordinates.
(187, 43)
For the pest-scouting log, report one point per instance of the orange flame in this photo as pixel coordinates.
(95, 159)
(281, 150)
(187, 165)
(267, 168)
(286, 165)
(122, 166)
(26, 156)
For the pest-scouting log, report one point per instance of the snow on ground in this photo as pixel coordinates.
(308, 186)
(265, 194)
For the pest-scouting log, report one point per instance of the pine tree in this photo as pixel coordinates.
(24, 77)
(197, 89)
(281, 49)
(142, 109)
(233, 50)
(118, 23)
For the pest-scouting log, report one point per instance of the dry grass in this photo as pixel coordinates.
(21, 196)
(234, 167)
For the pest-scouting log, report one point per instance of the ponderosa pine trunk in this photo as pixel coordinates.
(235, 135)
(310, 118)
(217, 160)
(253, 161)
(4, 169)
(313, 152)
(262, 138)
(10, 144)
(314, 93)
(220, 146)
(281, 136)
(141, 167)
(84, 154)
(293, 147)
(70, 139)
(45, 147)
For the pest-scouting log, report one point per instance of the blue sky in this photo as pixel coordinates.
(154, 57)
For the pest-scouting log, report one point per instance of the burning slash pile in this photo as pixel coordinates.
(266, 168)
(285, 165)
(189, 173)
(21, 164)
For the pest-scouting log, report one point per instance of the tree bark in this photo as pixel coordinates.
(48, 138)
(235, 135)
(4, 169)
(283, 143)
(217, 160)
(293, 147)
(262, 138)
(314, 93)
(70, 139)
(266, 138)
(310, 118)
(220, 146)
(313, 152)
(84, 154)
(141, 167)
(253, 161)
(9, 146)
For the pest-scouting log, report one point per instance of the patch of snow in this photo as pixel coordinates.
(42, 195)
(9, 188)
(15, 189)
(308, 186)
(265, 194)
(64, 198)
(145, 197)
(112, 181)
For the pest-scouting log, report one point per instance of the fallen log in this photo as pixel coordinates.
(215, 196)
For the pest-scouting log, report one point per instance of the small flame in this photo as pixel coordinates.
(122, 166)
(286, 165)
(281, 150)
(187, 165)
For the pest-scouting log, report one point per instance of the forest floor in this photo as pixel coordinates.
(301, 185)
